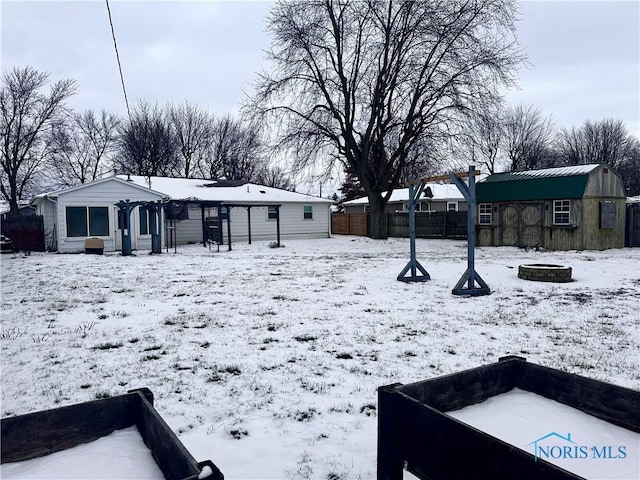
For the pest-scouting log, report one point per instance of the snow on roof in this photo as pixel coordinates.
(543, 173)
(440, 192)
(221, 190)
(635, 199)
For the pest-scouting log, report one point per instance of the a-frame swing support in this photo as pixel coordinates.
(470, 277)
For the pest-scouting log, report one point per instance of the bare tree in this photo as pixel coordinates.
(484, 138)
(194, 129)
(629, 167)
(235, 151)
(80, 147)
(527, 138)
(147, 145)
(26, 116)
(362, 83)
(604, 141)
(275, 177)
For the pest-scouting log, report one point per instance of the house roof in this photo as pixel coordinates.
(440, 192)
(227, 191)
(40, 197)
(545, 184)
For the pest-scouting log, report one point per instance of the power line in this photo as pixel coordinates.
(115, 46)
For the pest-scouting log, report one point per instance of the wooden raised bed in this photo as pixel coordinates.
(37, 434)
(415, 433)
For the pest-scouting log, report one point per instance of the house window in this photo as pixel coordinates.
(272, 213)
(87, 221)
(307, 212)
(484, 214)
(562, 212)
(144, 221)
(405, 206)
(452, 206)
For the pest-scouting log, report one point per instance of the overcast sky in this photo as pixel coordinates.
(584, 55)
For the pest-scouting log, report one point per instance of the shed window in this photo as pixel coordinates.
(87, 221)
(484, 214)
(307, 212)
(562, 212)
(607, 215)
(452, 206)
(272, 213)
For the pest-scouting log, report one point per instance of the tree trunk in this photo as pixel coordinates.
(377, 217)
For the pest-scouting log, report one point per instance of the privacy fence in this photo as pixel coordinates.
(26, 231)
(428, 224)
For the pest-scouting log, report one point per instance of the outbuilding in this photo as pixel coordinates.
(436, 198)
(568, 208)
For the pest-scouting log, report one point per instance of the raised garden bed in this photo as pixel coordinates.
(33, 435)
(415, 432)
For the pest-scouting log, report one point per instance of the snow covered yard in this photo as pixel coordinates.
(267, 361)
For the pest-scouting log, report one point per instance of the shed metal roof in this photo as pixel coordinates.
(545, 184)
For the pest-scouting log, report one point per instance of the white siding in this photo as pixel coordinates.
(292, 224)
(47, 208)
(102, 194)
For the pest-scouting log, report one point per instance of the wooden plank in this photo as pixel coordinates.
(440, 178)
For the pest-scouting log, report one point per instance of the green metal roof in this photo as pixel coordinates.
(547, 184)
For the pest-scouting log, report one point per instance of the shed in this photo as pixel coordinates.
(567, 208)
(436, 198)
(89, 210)
(300, 216)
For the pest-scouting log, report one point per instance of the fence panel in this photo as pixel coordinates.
(26, 231)
(430, 224)
(349, 224)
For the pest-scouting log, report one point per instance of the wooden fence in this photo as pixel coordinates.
(428, 225)
(632, 230)
(349, 224)
(26, 231)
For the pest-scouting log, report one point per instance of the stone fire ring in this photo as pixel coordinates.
(541, 272)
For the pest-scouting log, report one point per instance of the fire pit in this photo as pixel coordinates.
(543, 272)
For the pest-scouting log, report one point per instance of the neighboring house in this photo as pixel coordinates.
(88, 210)
(435, 198)
(300, 216)
(566, 208)
(23, 208)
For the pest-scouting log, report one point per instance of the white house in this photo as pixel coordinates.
(72, 215)
(89, 210)
(300, 216)
(435, 198)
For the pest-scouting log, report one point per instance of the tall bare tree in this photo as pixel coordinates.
(26, 115)
(363, 82)
(80, 147)
(148, 145)
(528, 138)
(276, 177)
(235, 151)
(604, 141)
(193, 129)
(484, 138)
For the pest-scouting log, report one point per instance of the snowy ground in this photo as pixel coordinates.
(267, 361)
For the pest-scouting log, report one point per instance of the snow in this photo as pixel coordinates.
(188, 188)
(266, 361)
(121, 454)
(519, 417)
(440, 192)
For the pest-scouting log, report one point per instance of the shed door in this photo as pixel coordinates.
(521, 224)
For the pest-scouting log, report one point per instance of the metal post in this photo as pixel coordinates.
(278, 223)
(413, 265)
(229, 225)
(249, 222)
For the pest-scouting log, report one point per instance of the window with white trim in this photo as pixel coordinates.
(452, 206)
(272, 213)
(562, 212)
(307, 212)
(484, 213)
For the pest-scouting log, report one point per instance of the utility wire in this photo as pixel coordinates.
(115, 46)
